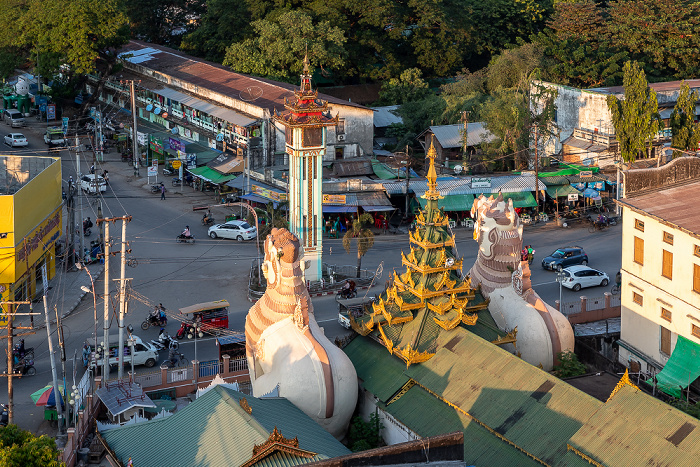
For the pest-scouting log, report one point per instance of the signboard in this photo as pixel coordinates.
(333, 199)
(64, 124)
(586, 174)
(141, 138)
(51, 112)
(156, 145)
(153, 171)
(191, 161)
(176, 164)
(176, 144)
(573, 196)
(481, 183)
(269, 194)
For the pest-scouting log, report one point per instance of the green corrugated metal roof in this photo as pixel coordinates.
(381, 373)
(633, 427)
(211, 175)
(561, 190)
(452, 202)
(523, 199)
(214, 430)
(428, 416)
(284, 459)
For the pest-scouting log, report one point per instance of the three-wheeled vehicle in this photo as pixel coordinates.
(354, 307)
(211, 315)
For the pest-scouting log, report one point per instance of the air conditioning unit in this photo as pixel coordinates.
(341, 137)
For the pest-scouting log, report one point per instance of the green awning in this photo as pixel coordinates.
(523, 199)
(561, 190)
(211, 175)
(681, 369)
(452, 202)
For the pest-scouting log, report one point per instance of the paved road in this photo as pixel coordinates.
(178, 275)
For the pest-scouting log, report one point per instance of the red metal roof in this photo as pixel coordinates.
(674, 205)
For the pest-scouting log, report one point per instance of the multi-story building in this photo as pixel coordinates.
(660, 294)
(30, 223)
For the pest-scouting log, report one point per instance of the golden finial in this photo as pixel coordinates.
(432, 192)
(625, 380)
(306, 59)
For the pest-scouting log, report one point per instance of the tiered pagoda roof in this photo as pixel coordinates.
(306, 109)
(431, 297)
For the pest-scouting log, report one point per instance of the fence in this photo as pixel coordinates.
(180, 374)
(237, 364)
(83, 427)
(210, 368)
(588, 310)
(154, 378)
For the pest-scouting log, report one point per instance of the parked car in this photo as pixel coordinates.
(579, 277)
(16, 139)
(90, 183)
(565, 257)
(13, 117)
(239, 230)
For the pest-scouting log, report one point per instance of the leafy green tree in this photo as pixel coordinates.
(161, 21)
(568, 366)
(636, 117)
(20, 448)
(279, 45)
(408, 87)
(363, 236)
(662, 35)
(685, 132)
(365, 435)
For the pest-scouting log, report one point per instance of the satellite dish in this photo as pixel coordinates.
(149, 107)
(250, 93)
(174, 131)
(220, 137)
(157, 110)
(450, 261)
(458, 169)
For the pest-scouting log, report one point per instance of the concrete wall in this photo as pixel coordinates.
(640, 324)
(394, 432)
(678, 170)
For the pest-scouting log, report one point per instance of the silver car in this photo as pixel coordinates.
(16, 139)
(238, 230)
(579, 277)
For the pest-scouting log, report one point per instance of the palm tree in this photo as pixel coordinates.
(363, 235)
(276, 217)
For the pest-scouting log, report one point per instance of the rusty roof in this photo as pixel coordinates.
(262, 92)
(671, 205)
(658, 87)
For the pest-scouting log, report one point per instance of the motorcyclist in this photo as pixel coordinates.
(348, 288)
(161, 314)
(601, 219)
(87, 223)
(207, 217)
(163, 336)
(186, 233)
(618, 278)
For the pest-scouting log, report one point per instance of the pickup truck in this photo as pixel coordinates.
(54, 137)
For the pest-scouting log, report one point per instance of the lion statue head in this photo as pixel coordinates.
(282, 250)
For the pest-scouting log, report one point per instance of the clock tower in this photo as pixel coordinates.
(305, 119)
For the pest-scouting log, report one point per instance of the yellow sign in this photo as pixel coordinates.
(40, 239)
(269, 194)
(333, 199)
(176, 164)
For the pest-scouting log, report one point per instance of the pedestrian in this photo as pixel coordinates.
(92, 169)
(523, 254)
(70, 181)
(385, 225)
(86, 355)
(530, 254)
(162, 191)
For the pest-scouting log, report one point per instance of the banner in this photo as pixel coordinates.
(333, 199)
(141, 138)
(176, 144)
(481, 183)
(51, 112)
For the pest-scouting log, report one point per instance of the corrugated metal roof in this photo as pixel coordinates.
(380, 372)
(462, 186)
(635, 427)
(214, 430)
(384, 116)
(224, 113)
(583, 144)
(352, 167)
(450, 136)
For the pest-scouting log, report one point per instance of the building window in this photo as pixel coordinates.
(340, 127)
(668, 238)
(666, 314)
(639, 250)
(312, 137)
(639, 225)
(637, 298)
(696, 251)
(696, 278)
(695, 330)
(667, 266)
(665, 341)
(289, 136)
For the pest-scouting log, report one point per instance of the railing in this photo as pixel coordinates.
(568, 308)
(238, 364)
(149, 379)
(210, 368)
(180, 374)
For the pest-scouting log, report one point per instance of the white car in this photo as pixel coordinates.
(239, 230)
(16, 139)
(578, 277)
(90, 183)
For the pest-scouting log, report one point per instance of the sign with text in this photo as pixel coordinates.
(153, 171)
(269, 194)
(176, 144)
(481, 183)
(142, 138)
(333, 199)
(573, 197)
(586, 174)
(51, 112)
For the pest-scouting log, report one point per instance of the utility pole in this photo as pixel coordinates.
(134, 140)
(122, 299)
(105, 326)
(101, 142)
(465, 122)
(537, 173)
(62, 346)
(80, 206)
(10, 314)
(59, 407)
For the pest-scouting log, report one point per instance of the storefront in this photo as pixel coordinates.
(30, 224)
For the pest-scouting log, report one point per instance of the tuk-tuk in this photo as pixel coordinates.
(354, 307)
(212, 315)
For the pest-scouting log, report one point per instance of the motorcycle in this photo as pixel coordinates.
(188, 330)
(179, 360)
(23, 352)
(208, 220)
(165, 341)
(346, 293)
(25, 367)
(182, 239)
(154, 320)
(155, 188)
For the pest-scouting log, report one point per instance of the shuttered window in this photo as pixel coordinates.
(667, 266)
(696, 278)
(637, 298)
(665, 341)
(666, 314)
(638, 250)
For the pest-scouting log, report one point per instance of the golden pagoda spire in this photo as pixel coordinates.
(306, 59)
(432, 192)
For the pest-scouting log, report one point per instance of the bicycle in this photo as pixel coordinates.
(615, 289)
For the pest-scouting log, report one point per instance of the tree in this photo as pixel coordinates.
(363, 237)
(20, 448)
(162, 21)
(409, 87)
(568, 366)
(279, 44)
(636, 117)
(276, 218)
(685, 132)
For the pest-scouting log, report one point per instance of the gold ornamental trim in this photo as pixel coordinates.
(624, 381)
(277, 443)
(404, 389)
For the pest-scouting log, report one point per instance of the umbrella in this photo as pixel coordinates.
(45, 396)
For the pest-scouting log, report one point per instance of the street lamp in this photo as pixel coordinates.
(560, 279)
(75, 403)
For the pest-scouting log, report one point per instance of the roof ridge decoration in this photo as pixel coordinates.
(624, 381)
(277, 443)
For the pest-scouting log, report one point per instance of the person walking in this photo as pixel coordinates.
(162, 191)
(530, 254)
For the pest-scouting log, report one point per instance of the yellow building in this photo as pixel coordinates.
(30, 223)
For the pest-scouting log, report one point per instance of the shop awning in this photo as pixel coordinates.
(524, 199)
(561, 190)
(378, 208)
(452, 202)
(210, 175)
(258, 199)
(681, 369)
(333, 209)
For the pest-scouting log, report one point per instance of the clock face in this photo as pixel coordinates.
(449, 262)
